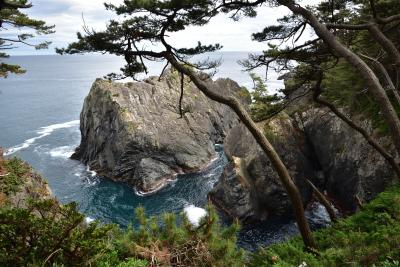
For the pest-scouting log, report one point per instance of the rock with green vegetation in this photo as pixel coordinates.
(19, 183)
(133, 132)
(353, 170)
(249, 188)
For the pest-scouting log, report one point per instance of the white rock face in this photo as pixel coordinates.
(195, 214)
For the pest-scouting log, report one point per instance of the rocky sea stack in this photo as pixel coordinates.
(133, 132)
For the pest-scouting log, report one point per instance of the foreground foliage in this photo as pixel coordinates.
(43, 233)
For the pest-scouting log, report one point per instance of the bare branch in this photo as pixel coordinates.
(382, 70)
(388, 19)
(181, 96)
(163, 70)
(363, 26)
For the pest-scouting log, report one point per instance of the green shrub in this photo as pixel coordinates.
(47, 234)
(174, 241)
(15, 173)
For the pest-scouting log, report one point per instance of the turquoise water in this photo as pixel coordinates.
(39, 118)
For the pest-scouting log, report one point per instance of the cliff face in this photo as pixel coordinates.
(351, 167)
(317, 146)
(249, 187)
(133, 132)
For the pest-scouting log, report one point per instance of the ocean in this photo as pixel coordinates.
(39, 118)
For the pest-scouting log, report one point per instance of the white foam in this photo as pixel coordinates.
(170, 181)
(62, 152)
(195, 214)
(92, 173)
(89, 220)
(43, 131)
(51, 128)
(92, 182)
(24, 145)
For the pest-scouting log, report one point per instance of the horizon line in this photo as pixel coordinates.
(55, 54)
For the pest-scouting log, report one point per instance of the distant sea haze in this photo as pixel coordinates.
(39, 118)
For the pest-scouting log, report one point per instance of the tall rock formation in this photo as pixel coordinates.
(133, 132)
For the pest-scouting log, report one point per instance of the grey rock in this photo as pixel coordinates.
(233, 194)
(351, 167)
(315, 144)
(133, 132)
(152, 173)
(251, 180)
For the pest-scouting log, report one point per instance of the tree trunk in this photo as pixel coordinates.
(266, 146)
(371, 79)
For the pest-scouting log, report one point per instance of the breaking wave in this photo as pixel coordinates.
(62, 152)
(42, 132)
(194, 214)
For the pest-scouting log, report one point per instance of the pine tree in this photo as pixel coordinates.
(11, 17)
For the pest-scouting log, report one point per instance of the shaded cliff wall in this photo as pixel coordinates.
(314, 145)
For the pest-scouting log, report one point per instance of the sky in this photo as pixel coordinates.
(67, 16)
